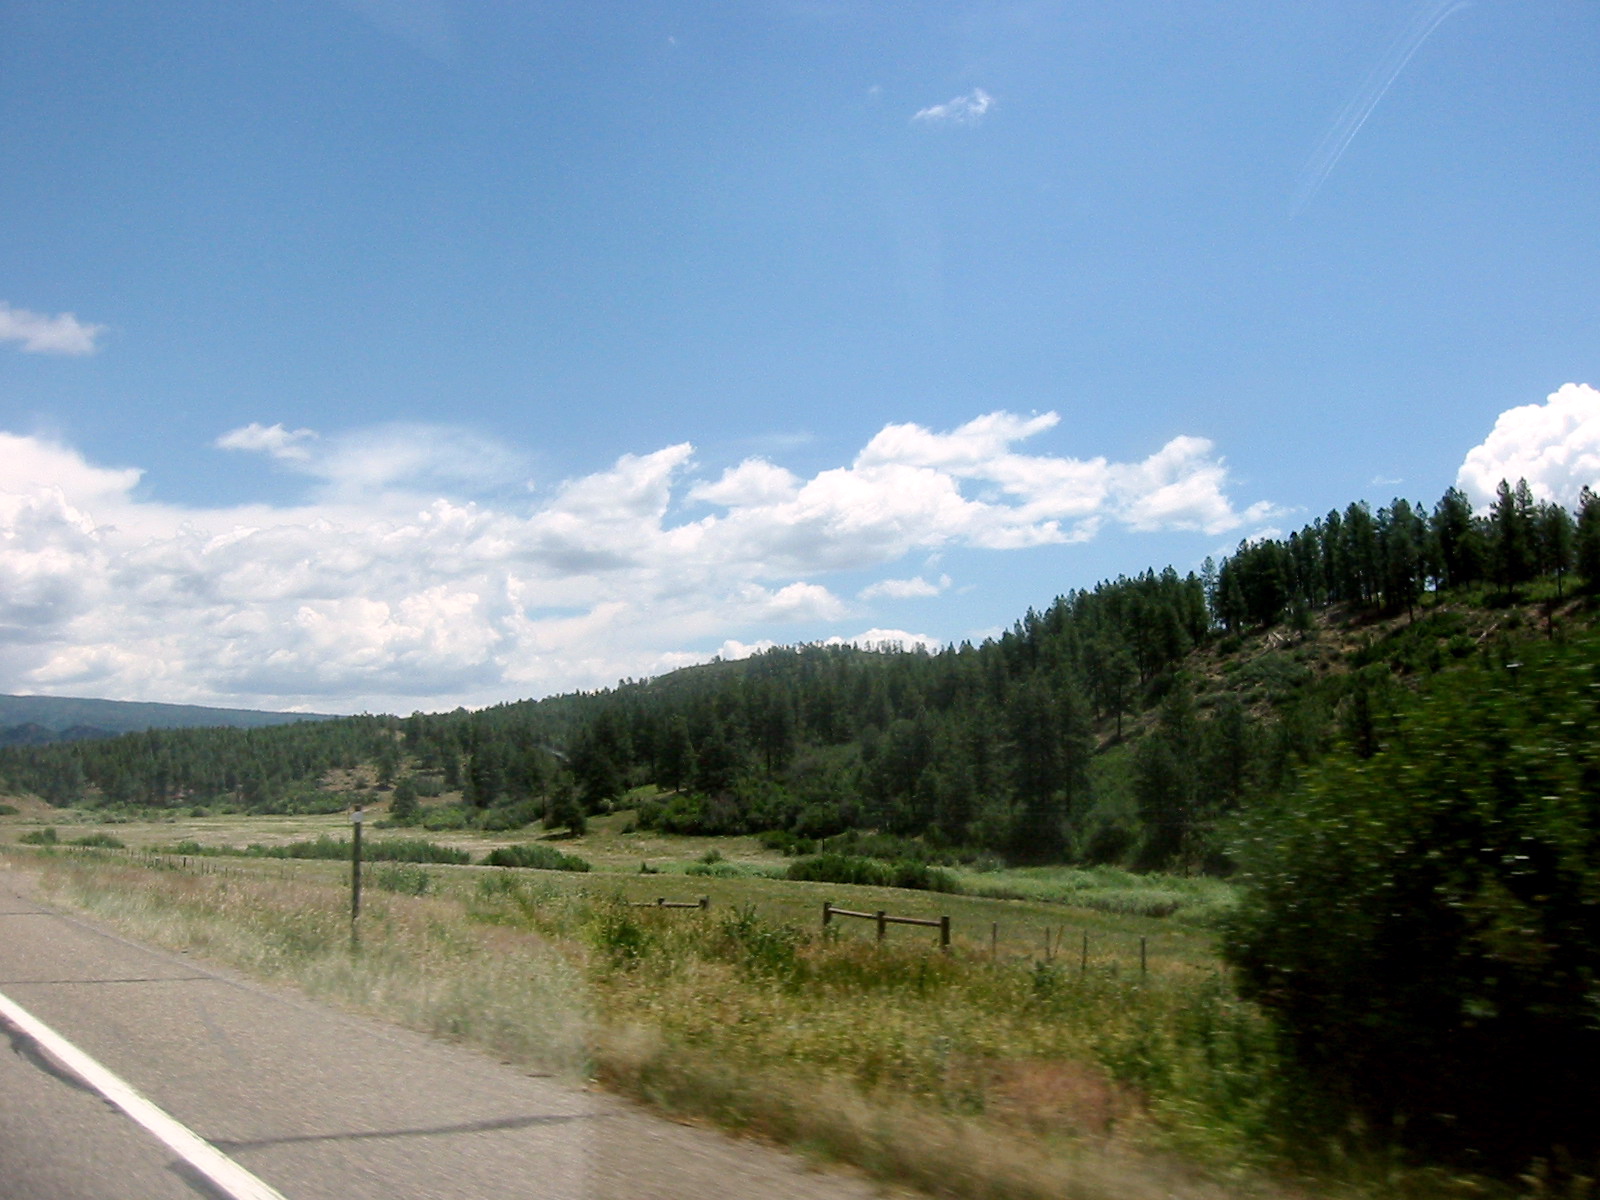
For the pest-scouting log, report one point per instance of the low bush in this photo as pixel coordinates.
(505, 817)
(300, 801)
(102, 841)
(872, 872)
(9, 810)
(788, 844)
(407, 879)
(387, 850)
(41, 837)
(716, 870)
(444, 817)
(694, 816)
(537, 856)
(1419, 922)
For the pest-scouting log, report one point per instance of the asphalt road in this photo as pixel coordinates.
(319, 1104)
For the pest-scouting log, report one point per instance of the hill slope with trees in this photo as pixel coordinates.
(1122, 723)
(1381, 726)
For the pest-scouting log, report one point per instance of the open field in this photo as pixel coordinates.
(998, 1070)
(1036, 913)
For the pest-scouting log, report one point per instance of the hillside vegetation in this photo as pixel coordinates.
(1379, 726)
(40, 720)
(1120, 724)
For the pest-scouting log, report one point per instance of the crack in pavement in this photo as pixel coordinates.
(27, 1048)
(490, 1126)
(136, 979)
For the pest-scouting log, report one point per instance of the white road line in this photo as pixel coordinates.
(200, 1154)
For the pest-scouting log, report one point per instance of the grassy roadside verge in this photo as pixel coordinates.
(957, 1074)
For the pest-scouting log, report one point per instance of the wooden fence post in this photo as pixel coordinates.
(1142, 961)
(881, 924)
(827, 913)
(1083, 962)
(944, 933)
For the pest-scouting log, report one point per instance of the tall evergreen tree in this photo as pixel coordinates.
(1460, 547)
(1557, 540)
(1512, 523)
(1588, 539)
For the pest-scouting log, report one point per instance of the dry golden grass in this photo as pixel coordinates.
(952, 1073)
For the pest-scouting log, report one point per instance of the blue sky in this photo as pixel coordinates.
(396, 354)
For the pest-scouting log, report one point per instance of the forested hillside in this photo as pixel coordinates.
(1121, 723)
(36, 720)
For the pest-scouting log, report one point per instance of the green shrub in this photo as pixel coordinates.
(872, 872)
(1420, 923)
(403, 807)
(102, 841)
(41, 837)
(445, 817)
(786, 843)
(1108, 841)
(9, 810)
(535, 855)
(885, 846)
(618, 933)
(386, 850)
(504, 817)
(716, 870)
(408, 879)
(694, 816)
(301, 799)
(760, 947)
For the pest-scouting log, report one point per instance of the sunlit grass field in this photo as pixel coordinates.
(1042, 1056)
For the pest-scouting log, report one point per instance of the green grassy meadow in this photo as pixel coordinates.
(1013, 1066)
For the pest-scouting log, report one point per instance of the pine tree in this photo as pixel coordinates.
(1588, 539)
(1512, 523)
(1556, 542)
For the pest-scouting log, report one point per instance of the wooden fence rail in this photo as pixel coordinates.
(703, 903)
(884, 920)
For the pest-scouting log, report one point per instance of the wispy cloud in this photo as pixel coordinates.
(401, 458)
(400, 582)
(39, 334)
(272, 440)
(905, 589)
(962, 110)
(1425, 18)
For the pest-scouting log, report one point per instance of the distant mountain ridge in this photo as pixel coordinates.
(39, 720)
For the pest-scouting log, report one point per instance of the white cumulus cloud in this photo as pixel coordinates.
(39, 334)
(1555, 446)
(403, 580)
(961, 110)
(905, 589)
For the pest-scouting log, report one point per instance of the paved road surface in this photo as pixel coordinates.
(319, 1104)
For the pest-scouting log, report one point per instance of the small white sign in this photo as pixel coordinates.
(357, 817)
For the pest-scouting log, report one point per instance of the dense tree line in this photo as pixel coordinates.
(255, 768)
(1387, 559)
(1008, 746)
